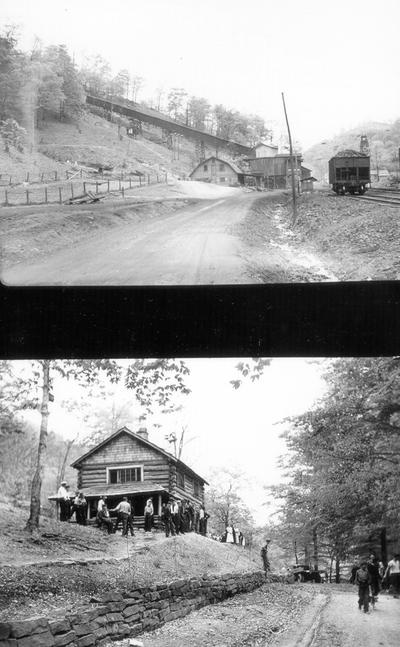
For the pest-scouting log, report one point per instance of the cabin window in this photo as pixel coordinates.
(196, 488)
(205, 168)
(128, 474)
(180, 480)
(221, 167)
(222, 179)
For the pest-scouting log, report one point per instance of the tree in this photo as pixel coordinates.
(154, 383)
(198, 111)
(120, 84)
(345, 456)
(176, 101)
(10, 76)
(225, 504)
(84, 371)
(137, 82)
(73, 99)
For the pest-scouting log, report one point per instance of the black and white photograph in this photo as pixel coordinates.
(177, 143)
(199, 349)
(200, 501)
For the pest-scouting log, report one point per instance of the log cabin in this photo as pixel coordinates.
(129, 464)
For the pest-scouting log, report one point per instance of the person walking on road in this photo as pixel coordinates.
(363, 580)
(264, 556)
(373, 568)
(393, 575)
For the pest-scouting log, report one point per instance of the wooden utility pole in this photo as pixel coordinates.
(291, 164)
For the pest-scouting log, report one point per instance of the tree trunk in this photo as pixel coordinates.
(315, 545)
(295, 552)
(33, 521)
(61, 474)
(337, 570)
(383, 546)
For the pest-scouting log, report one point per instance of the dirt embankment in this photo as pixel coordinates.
(62, 564)
(335, 238)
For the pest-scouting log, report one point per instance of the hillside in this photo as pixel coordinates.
(62, 563)
(95, 141)
(383, 141)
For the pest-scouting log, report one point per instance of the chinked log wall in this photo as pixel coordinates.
(115, 616)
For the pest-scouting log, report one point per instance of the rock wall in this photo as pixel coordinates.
(114, 616)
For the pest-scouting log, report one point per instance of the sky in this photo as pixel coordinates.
(238, 429)
(336, 62)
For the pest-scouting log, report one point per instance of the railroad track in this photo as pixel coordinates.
(381, 196)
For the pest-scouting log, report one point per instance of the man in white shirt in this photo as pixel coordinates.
(393, 575)
(63, 496)
(124, 514)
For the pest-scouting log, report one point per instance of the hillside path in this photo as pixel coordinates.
(325, 618)
(192, 246)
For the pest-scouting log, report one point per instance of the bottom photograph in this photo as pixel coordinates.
(200, 502)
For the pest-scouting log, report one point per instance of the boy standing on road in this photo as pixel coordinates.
(363, 580)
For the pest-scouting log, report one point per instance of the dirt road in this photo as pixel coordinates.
(210, 237)
(191, 246)
(283, 616)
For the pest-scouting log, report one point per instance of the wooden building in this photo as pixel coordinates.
(274, 172)
(218, 171)
(128, 464)
(264, 150)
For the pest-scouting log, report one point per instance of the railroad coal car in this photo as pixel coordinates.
(349, 172)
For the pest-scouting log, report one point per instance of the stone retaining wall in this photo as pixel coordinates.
(114, 616)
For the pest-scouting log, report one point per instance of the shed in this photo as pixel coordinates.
(128, 464)
(218, 171)
(264, 150)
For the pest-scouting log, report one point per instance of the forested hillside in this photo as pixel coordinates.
(44, 89)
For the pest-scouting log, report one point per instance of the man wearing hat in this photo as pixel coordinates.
(64, 501)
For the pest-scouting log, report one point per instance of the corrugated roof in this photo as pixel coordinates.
(119, 489)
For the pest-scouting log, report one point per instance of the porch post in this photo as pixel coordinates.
(159, 504)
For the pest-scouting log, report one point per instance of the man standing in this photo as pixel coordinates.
(175, 515)
(264, 556)
(393, 575)
(148, 515)
(363, 580)
(373, 569)
(124, 514)
(166, 518)
(63, 496)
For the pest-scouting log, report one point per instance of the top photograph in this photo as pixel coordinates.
(175, 143)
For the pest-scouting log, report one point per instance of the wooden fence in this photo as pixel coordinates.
(36, 194)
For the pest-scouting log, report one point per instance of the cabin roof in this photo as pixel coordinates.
(77, 463)
(233, 166)
(119, 489)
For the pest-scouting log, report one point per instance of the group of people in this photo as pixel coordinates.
(70, 505)
(372, 576)
(179, 517)
(233, 535)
